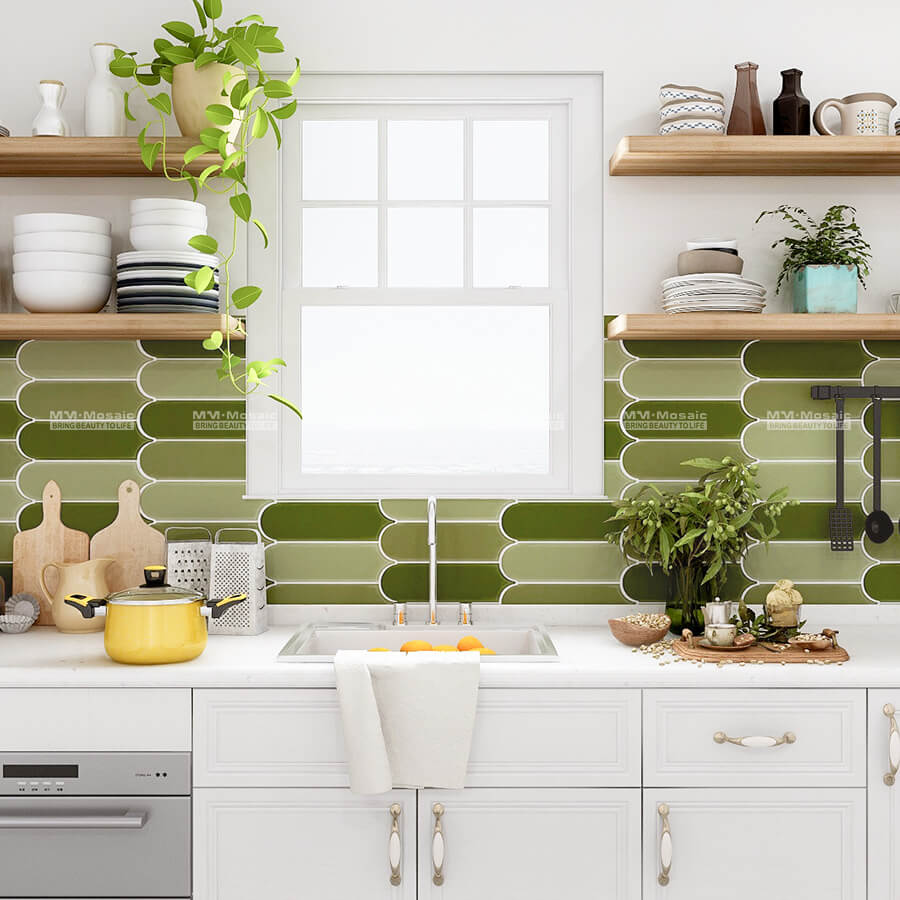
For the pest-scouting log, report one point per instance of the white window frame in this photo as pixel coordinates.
(273, 433)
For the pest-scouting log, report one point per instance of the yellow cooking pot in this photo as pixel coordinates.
(153, 623)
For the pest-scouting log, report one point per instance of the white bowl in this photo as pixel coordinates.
(668, 93)
(56, 292)
(68, 241)
(712, 245)
(161, 237)
(148, 204)
(28, 223)
(53, 261)
(182, 217)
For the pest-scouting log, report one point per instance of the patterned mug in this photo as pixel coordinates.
(860, 114)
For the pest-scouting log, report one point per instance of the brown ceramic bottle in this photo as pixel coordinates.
(790, 111)
(746, 113)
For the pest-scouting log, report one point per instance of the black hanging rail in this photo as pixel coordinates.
(830, 391)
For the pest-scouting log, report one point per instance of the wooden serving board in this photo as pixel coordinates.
(49, 542)
(687, 648)
(130, 541)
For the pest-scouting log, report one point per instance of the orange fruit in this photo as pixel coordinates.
(413, 646)
(484, 651)
(379, 650)
(470, 642)
(444, 648)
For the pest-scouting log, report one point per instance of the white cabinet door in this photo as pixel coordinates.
(529, 844)
(884, 794)
(747, 843)
(284, 844)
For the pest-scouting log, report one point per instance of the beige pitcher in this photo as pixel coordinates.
(76, 578)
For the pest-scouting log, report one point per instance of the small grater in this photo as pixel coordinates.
(239, 567)
(187, 561)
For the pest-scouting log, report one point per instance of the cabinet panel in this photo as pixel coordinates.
(749, 843)
(519, 844)
(316, 843)
(884, 797)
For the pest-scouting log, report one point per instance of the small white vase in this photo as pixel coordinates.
(104, 106)
(50, 120)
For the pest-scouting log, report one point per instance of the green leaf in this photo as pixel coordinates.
(219, 114)
(209, 170)
(204, 59)
(162, 102)
(177, 55)
(285, 111)
(199, 280)
(123, 67)
(260, 123)
(203, 243)
(179, 30)
(277, 90)
(252, 18)
(248, 55)
(214, 341)
(149, 152)
(213, 8)
(263, 232)
(128, 114)
(294, 77)
(201, 15)
(241, 205)
(148, 78)
(245, 296)
(195, 186)
(210, 137)
(193, 152)
(264, 38)
(285, 402)
(223, 145)
(238, 92)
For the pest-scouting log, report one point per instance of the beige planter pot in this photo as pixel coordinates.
(195, 89)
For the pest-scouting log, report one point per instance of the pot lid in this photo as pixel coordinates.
(155, 591)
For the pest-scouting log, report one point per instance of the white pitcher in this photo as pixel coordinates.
(50, 120)
(104, 106)
(860, 114)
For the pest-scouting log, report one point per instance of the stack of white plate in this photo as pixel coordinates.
(161, 223)
(4, 129)
(712, 293)
(149, 281)
(61, 262)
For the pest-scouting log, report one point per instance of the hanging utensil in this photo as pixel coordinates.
(879, 526)
(840, 522)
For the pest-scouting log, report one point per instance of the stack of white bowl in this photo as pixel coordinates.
(61, 262)
(161, 223)
(685, 109)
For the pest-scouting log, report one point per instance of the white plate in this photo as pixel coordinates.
(698, 294)
(165, 273)
(678, 312)
(162, 290)
(167, 257)
(714, 307)
(691, 280)
(173, 308)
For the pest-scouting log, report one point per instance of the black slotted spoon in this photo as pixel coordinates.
(879, 526)
(840, 521)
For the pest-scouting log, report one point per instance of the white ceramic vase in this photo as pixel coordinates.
(50, 120)
(104, 106)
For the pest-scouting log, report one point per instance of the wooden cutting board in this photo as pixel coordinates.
(130, 541)
(49, 542)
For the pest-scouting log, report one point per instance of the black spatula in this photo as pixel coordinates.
(840, 522)
(879, 526)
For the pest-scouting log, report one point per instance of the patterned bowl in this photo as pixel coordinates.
(692, 125)
(704, 109)
(671, 92)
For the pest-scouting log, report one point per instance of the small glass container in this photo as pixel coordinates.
(465, 614)
(399, 614)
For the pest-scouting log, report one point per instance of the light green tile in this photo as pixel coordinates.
(800, 562)
(456, 541)
(448, 510)
(802, 439)
(550, 561)
(813, 594)
(563, 593)
(200, 460)
(647, 460)
(806, 481)
(889, 551)
(783, 399)
(685, 379)
(614, 358)
(199, 501)
(614, 479)
(81, 399)
(10, 459)
(883, 371)
(175, 379)
(324, 594)
(340, 561)
(86, 359)
(890, 498)
(79, 479)
(890, 458)
(11, 501)
(10, 379)
(614, 400)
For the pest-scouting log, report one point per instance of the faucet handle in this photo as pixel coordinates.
(465, 614)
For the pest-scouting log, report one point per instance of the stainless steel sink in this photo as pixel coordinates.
(320, 642)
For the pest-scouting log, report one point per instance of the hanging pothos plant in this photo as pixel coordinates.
(250, 104)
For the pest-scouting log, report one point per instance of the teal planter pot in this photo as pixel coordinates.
(825, 289)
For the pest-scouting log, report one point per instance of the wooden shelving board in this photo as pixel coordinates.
(112, 326)
(749, 326)
(88, 157)
(757, 155)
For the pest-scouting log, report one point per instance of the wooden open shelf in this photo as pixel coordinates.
(88, 157)
(113, 326)
(749, 326)
(756, 155)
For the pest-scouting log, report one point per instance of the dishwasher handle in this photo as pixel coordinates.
(117, 821)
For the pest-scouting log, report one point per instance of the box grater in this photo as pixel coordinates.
(239, 567)
(188, 560)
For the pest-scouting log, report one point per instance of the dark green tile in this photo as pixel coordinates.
(195, 529)
(552, 521)
(813, 594)
(643, 584)
(89, 517)
(614, 440)
(685, 419)
(7, 533)
(885, 349)
(6, 575)
(10, 419)
(317, 594)
(201, 419)
(185, 349)
(806, 359)
(685, 349)
(44, 440)
(201, 460)
(457, 582)
(564, 594)
(809, 521)
(883, 582)
(322, 521)
(8, 349)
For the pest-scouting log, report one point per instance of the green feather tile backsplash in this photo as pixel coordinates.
(664, 401)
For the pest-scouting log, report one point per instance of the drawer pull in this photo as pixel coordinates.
(437, 845)
(893, 745)
(665, 845)
(755, 740)
(394, 846)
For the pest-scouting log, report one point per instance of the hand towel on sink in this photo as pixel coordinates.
(408, 717)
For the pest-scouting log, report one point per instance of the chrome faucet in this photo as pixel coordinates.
(432, 561)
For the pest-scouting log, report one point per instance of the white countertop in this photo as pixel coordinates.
(589, 657)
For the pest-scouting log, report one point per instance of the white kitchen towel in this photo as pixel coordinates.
(408, 717)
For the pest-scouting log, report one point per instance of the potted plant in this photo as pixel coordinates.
(215, 101)
(694, 534)
(825, 261)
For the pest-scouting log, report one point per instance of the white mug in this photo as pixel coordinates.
(860, 114)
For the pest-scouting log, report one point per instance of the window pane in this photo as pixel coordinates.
(425, 248)
(425, 160)
(512, 247)
(340, 160)
(425, 390)
(512, 160)
(340, 247)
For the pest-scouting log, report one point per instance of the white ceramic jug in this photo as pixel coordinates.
(860, 114)
(104, 107)
(50, 120)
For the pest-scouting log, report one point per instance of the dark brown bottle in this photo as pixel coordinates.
(746, 113)
(790, 111)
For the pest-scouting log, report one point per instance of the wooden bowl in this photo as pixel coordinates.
(802, 642)
(634, 635)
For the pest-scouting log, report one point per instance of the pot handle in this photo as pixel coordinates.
(87, 606)
(216, 608)
(819, 121)
(47, 592)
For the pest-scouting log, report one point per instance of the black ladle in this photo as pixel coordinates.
(879, 526)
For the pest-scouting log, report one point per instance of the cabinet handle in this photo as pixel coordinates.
(893, 745)
(394, 846)
(437, 845)
(755, 740)
(665, 845)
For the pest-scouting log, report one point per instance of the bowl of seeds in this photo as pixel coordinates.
(640, 628)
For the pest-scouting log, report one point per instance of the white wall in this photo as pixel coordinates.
(841, 47)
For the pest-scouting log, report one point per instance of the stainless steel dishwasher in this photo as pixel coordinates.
(95, 825)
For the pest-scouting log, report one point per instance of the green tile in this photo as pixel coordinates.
(886, 349)
(890, 459)
(469, 510)
(79, 479)
(813, 594)
(200, 419)
(615, 480)
(341, 561)
(806, 359)
(644, 585)
(614, 358)
(86, 359)
(6, 574)
(684, 379)
(10, 500)
(456, 541)
(187, 501)
(320, 521)
(685, 349)
(557, 521)
(197, 523)
(10, 378)
(457, 582)
(199, 460)
(614, 440)
(184, 349)
(56, 440)
(882, 371)
(809, 521)
(75, 400)
(804, 562)
(548, 561)
(563, 593)
(802, 438)
(890, 497)
(10, 460)
(10, 419)
(890, 419)
(888, 551)
(89, 517)
(883, 582)
(680, 419)
(7, 533)
(178, 378)
(791, 399)
(8, 349)
(614, 399)
(649, 460)
(324, 594)
(807, 481)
